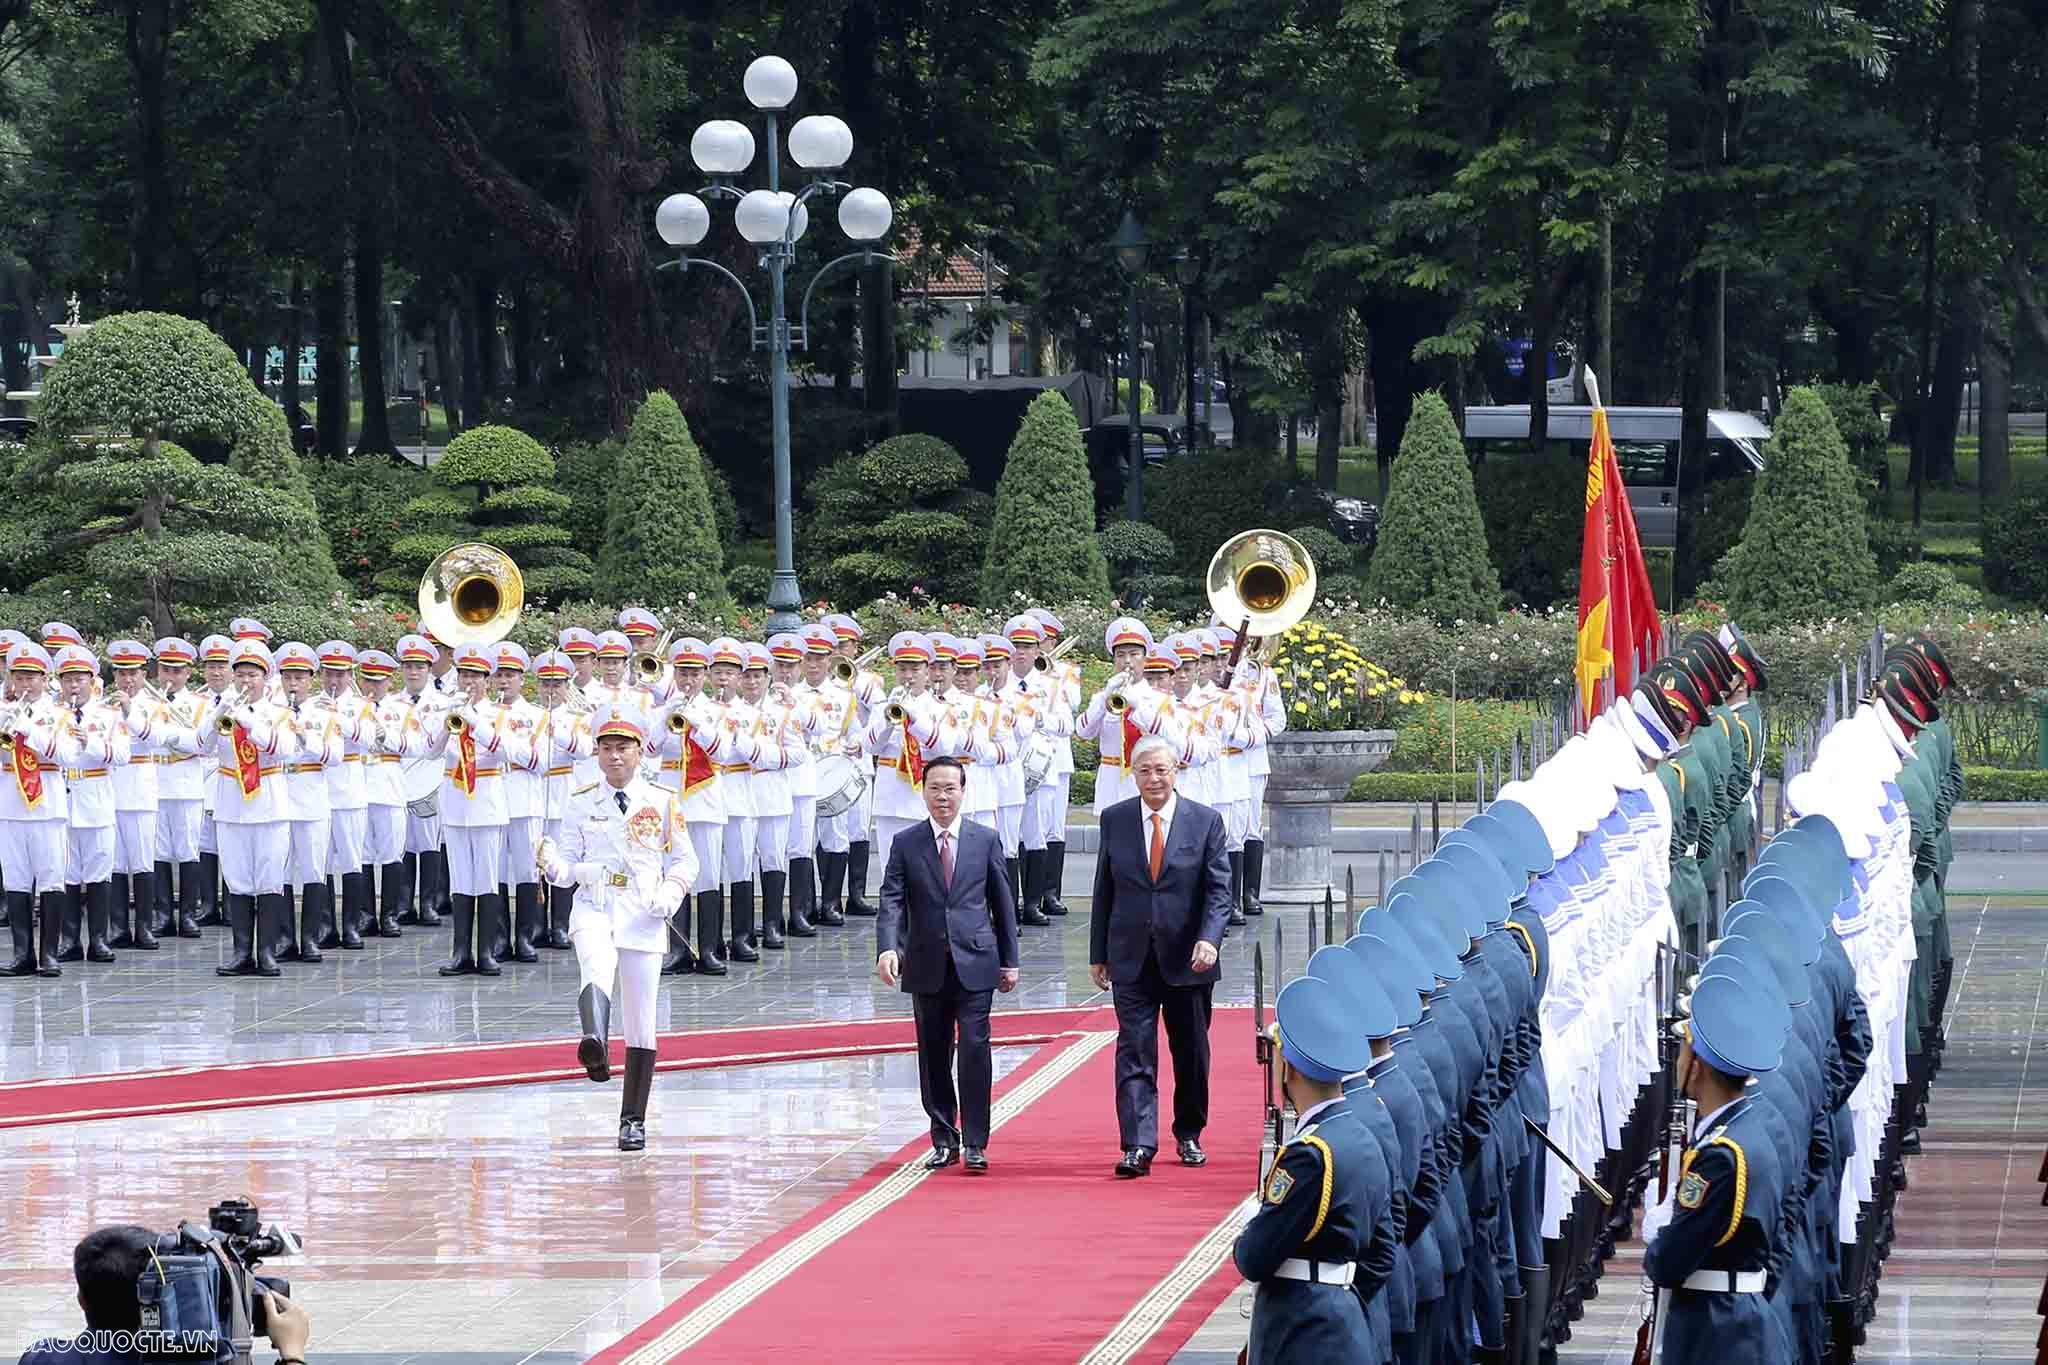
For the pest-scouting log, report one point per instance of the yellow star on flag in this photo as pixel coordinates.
(1594, 657)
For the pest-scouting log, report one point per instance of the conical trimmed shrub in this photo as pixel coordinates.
(1042, 543)
(1431, 555)
(661, 539)
(1805, 553)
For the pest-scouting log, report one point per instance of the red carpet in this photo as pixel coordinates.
(1041, 1260)
(462, 1066)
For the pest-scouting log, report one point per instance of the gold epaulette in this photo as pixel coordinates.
(580, 790)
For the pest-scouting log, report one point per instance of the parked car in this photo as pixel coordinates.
(18, 429)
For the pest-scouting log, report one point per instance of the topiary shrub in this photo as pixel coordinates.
(1854, 408)
(661, 541)
(1932, 585)
(1041, 543)
(583, 473)
(1431, 556)
(2015, 550)
(490, 457)
(1331, 555)
(509, 503)
(1534, 509)
(1804, 554)
(897, 519)
(1133, 547)
(1201, 502)
(362, 505)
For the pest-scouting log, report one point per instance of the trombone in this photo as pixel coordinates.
(846, 670)
(1044, 662)
(648, 667)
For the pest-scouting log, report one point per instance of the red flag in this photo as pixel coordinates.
(1618, 630)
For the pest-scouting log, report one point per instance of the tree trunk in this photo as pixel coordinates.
(485, 316)
(878, 342)
(330, 374)
(376, 433)
(472, 360)
(1945, 406)
(523, 309)
(1994, 441)
(1391, 355)
(1326, 380)
(149, 51)
(445, 373)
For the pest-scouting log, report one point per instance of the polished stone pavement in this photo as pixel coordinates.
(439, 1230)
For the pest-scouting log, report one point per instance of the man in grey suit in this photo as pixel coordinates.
(1162, 893)
(948, 931)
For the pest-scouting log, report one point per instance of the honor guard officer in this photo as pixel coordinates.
(736, 847)
(780, 756)
(1269, 711)
(103, 742)
(693, 760)
(836, 758)
(253, 742)
(34, 811)
(181, 790)
(1116, 732)
(316, 737)
(1045, 728)
(804, 723)
(524, 747)
(1065, 681)
(134, 904)
(419, 769)
(472, 797)
(898, 731)
(614, 653)
(641, 627)
(1710, 1247)
(580, 647)
(348, 797)
(384, 787)
(625, 846)
(868, 691)
(567, 740)
(217, 678)
(1322, 1201)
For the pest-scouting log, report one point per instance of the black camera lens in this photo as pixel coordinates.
(235, 1217)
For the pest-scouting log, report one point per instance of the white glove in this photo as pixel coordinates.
(1656, 1217)
(590, 875)
(549, 859)
(667, 899)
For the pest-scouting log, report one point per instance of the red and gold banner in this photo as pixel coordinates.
(1618, 628)
(911, 762)
(248, 764)
(28, 773)
(464, 775)
(697, 766)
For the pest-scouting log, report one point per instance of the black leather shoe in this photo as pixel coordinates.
(975, 1160)
(632, 1135)
(1032, 915)
(1191, 1153)
(943, 1157)
(1137, 1161)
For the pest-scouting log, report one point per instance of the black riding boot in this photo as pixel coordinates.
(1236, 915)
(490, 934)
(330, 927)
(431, 908)
(99, 913)
(242, 927)
(1034, 861)
(803, 898)
(710, 933)
(144, 933)
(464, 962)
(1027, 913)
(355, 909)
(186, 916)
(857, 879)
(743, 947)
(1254, 875)
(284, 945)
(561, 901)
(526, 924)
(593, 1051)
(408, 890)
(53, 933)
(273, 921)
(773, 884)
(831, 910)
(633, 1103)
(21, 927)
(679, 960)
(69, 948)
(444, 894)
(396, 879)
(162, 920)
(210, 907)
(1535, 1311)
(316, 916)
(501, 927)
(1056, 868)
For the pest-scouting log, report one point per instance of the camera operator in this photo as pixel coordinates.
(107, 1265)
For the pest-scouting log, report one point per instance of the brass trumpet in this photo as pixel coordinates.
(678, 723)
(647, 668)
(1116, 703)
(894, 713)
(456, 724)
(1044, 662)
(846, 670)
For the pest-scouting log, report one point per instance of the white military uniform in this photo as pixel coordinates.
(627, 852)
(251, 810)
(103, 747)
(34, 804)
(472, 799)
(181, 778)
(900, 750)
(348, 785)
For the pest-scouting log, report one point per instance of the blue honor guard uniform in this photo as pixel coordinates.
(1321, 1203)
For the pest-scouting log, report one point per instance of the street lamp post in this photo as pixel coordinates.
(1130, 247)
(1188, 268)
(774, 219)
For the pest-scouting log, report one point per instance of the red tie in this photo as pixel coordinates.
(946, 857)
(1158, 844)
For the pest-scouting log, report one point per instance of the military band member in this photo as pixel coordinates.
(1116, 733)
(133, 903)
(527, 759)
(625, 846)
(251, 812)
(466, 739)
(1236, 722)
(612, 685)
(568, 741)
(419, 769)
(966, 735)
(103, 741)
(1065, 678)
(779, 752)
(384, 786)
(803, 719)
(580, 647)
(216, 655)
(180, 792)
(641, 627)
(693, 762)
(868, 691)
(898, 731)
(348, 798)
(1011, 727)
(318, 745)
(34, 810)
(836, 754)
(1046, 728)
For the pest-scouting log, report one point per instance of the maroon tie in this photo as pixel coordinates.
(946, 858)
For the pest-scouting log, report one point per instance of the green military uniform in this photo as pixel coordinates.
(1685, 783)
(1917, 783)
(1746, 740)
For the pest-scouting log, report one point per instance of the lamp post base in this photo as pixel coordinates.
(783, 600)
(1298, 856)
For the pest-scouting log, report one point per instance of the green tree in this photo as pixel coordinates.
(1042, 543)
(661, 540)
(1804, 554)
(899, 518)
(1432, 553)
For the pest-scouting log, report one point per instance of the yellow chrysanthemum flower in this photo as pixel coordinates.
(1301, 708)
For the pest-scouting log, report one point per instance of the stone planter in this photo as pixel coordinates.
(1310, 773)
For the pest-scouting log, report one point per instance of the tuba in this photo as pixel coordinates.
(1263, 580)
(471, 594)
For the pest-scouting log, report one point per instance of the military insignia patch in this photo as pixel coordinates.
(644, 825)
(1692, 1191)
(1278, 1187)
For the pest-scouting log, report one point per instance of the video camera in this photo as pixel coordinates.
(199, 1291)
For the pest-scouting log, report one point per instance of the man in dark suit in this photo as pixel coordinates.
(1162, 892)
(948, 931)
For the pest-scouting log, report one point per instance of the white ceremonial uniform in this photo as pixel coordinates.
(694, 764)
(1066, 698)
(736, 785)
(780, 754)
(627, 852)
(835, 752)
(1113, 734)
(805, 722)
(316, 735)
(963, 734)
(1010, 729)
(135, 789)
(34, 804)
(251, 810)
(183, 749)
(522, 738)
(419, 771)
(209, 699)
(472, 814)
(1230, 725)
(568, 741)
(857, 823)
(348, 785)
(1045, 724)
(394, 737)
(1269, 719)
(103, 746)
(899, 750)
